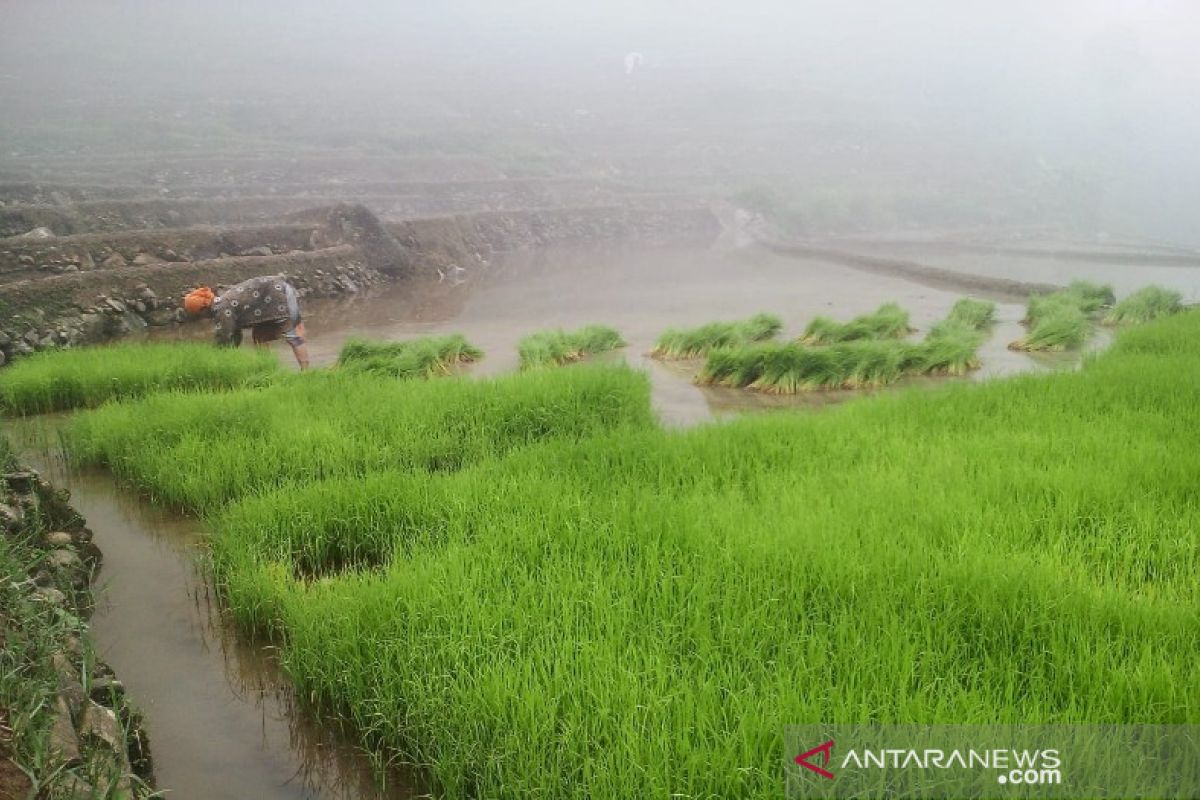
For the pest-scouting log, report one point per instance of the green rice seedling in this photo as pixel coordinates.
(1145, 305)
(1084, 296)
(788, 368)
(199, 451)
(1058, 327)
(557, 347)
(681, 596)
(87, 377)
(1091, 297)
(950, 348)
(415, 358)
(697, 342)
(1061, 320)
(889, 321)
(972, 313)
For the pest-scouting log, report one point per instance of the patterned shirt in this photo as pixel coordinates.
(268, 298)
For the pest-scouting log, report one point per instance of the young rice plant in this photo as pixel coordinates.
(55, 380)
(557, 347)
(697, 342)
(415, 358)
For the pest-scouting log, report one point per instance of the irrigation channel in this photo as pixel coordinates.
(222, 720)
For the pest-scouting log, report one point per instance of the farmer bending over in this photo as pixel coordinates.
(267, 305)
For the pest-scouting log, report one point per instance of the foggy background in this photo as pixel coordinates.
(867, 117)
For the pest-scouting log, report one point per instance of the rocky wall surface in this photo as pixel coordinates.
(45, 254)
(94, 306)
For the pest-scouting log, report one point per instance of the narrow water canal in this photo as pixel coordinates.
(222, 720)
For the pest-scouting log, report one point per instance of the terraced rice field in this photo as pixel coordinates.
(530, 587)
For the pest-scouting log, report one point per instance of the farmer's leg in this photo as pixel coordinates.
(295, 337)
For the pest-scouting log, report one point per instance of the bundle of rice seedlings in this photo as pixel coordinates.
(974, 314)
(788, 368)
(696, 342)
(1144, 305)
(1088, 298)
(889, 321)
(1091, 297)
(735, 366)
(415, 358)
(552, 348)
(791, 367)
(1061, 320)
(950, 348)
(1058, 327)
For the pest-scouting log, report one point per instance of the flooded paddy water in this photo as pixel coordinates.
(222, 719)
(642, 291)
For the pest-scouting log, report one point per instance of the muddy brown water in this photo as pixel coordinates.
(222, 719)
(641, 291)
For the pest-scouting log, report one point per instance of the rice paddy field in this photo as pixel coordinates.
(527, 586)
(58, 380)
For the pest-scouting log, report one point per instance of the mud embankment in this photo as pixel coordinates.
(261, 169)
(239, 206)
(123, 215)
(1125, 256)
(1003, 289)
(31, 257)
(447, 197)
(347, 249)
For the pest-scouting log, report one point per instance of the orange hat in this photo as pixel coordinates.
(197, 300)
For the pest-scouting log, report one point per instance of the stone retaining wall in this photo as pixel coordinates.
(97, 745)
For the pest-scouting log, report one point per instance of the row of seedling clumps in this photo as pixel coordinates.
(869, 350)
(1063, 320)
(439, 355)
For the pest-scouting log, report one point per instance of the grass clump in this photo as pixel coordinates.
(416, 358)
(87, 377)
(697, 342)
(889, 321)
(198, 451)
(553, 348)
(681, 596)
(1145, 305)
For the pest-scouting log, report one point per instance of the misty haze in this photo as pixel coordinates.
(570, 400)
